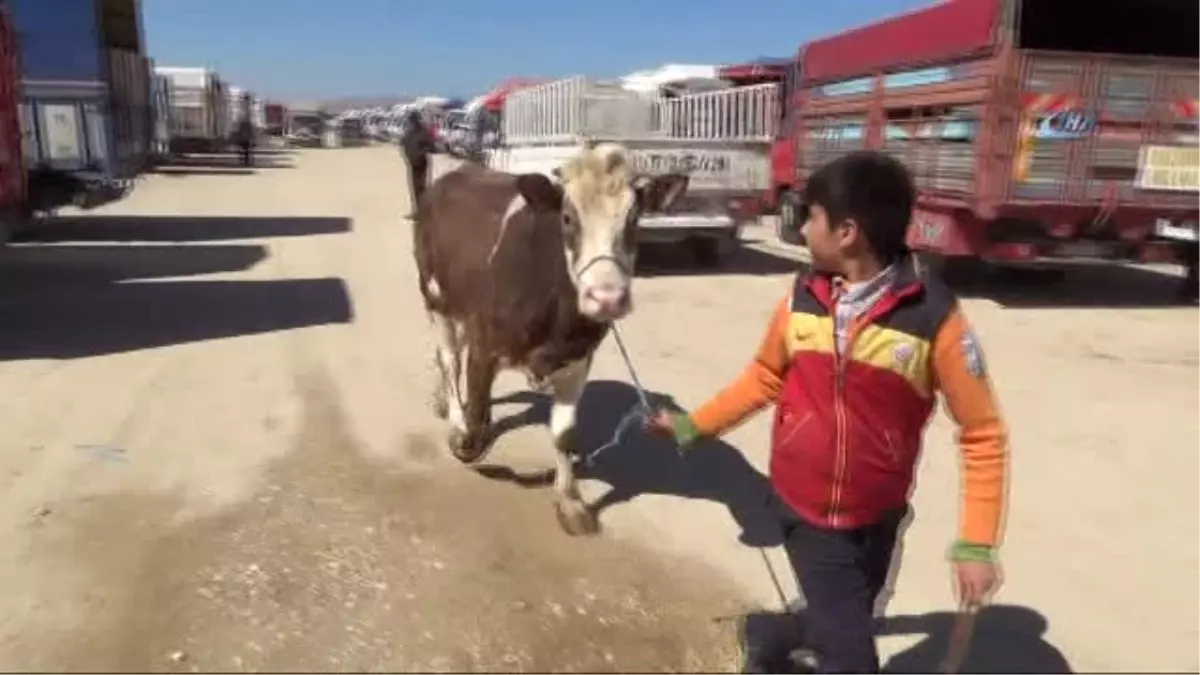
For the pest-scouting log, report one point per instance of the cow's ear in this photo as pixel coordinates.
(540, 192)
(658, 193)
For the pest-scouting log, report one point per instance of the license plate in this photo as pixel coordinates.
(1168, 167)
(1168, 230)
(1081, 249)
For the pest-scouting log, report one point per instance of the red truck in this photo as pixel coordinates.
(13, 202)
(1035, 129)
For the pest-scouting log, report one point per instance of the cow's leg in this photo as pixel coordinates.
(469, 442)
(447, 396)
(567, 386)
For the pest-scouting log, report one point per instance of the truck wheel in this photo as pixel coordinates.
(1189, 290)
(792, 214)
(710, 251)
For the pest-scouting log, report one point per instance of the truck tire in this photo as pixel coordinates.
(711, 251)
(792, 215)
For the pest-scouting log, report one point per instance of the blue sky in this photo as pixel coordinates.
(333, 48)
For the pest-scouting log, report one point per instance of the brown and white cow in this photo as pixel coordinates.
(526, 272)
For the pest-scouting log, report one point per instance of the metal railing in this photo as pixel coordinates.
(574, 108)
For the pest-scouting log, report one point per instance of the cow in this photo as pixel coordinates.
(526, 272)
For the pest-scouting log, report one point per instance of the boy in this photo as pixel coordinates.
(852, 360)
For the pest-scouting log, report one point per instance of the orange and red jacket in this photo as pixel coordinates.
(847, 428)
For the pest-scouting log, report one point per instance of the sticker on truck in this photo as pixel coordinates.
(687, 161)
(1169, 167)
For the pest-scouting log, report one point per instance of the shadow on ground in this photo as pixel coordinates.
(180, 171)
(179, 228)
(71, 301)
(1006, 639)
(676, 260)
(1081, 285)
(261, 160)
(643, 464)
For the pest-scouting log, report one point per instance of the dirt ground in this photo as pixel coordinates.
(219, 455)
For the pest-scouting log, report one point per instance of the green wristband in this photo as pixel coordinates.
(684, 429)
(965, 551)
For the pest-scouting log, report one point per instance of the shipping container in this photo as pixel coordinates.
(1028, 138)
(13, 214)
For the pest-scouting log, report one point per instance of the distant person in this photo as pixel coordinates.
(417, 144)
(854, 359)
(245, 131)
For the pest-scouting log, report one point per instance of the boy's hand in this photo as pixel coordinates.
(674, 425)
(976, 581)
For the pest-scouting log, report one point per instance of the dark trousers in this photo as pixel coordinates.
(841, 573)
(419, 175)
(246, 154)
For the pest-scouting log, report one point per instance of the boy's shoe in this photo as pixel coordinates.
(768, 640)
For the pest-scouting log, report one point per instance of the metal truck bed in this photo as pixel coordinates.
(721, 139)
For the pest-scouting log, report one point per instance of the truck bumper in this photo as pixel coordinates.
(679, 227)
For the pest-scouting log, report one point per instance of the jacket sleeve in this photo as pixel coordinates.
(757, 386)
(960, 374)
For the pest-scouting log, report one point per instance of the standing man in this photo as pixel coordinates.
(416, 143)
(245, 130)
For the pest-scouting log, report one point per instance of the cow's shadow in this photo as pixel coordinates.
(645, 464)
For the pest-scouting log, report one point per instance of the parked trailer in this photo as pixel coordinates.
(73, 104)
(1028, 139)
(163, 115)
(720, 138)
(274, 118)
(13, 202)
(200, 108)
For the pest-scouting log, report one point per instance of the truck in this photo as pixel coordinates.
(83, 96)
(720, 137)
(13, 203)
(274, 118)
(200, 109)
(162, 106)
(1030, 137)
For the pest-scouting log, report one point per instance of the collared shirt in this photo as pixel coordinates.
(851, 300)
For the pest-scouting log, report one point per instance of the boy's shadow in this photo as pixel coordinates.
(644, 464)
(1007, 639)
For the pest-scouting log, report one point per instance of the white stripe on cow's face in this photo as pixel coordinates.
(598, 207)
(600, 258)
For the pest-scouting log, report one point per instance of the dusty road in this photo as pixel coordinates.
(219, 456)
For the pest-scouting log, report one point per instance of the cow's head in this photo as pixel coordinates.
(598, 199)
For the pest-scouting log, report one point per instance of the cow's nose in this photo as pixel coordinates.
(610, 298)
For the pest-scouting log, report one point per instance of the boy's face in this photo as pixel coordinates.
(828, 243)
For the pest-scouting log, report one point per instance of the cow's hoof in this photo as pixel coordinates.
(465, 446)
(576, 518)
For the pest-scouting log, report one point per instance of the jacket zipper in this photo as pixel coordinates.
(839, 413)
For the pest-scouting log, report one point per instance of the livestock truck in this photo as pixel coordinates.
(13, 202)
(162, 104)
(1036, 130)
(720, 138)
(84, 98)
(200, 109)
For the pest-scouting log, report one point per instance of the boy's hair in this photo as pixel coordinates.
(873, 189)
